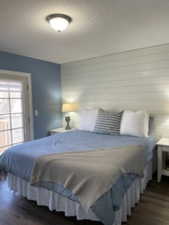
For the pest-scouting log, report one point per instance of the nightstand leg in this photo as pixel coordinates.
(159, 166)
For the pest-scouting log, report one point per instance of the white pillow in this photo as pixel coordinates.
(134, 123)
(88, 119)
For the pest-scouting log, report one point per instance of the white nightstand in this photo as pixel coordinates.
(58, 130)
(162, 151)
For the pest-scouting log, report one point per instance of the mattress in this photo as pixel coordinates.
(20, 159)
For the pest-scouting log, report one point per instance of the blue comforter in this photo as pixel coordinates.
(20, 160)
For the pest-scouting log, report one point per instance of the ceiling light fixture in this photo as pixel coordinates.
(59, 22)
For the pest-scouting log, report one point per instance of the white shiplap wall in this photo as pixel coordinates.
(137, 79)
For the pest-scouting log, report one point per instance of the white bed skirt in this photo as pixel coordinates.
(59, 203)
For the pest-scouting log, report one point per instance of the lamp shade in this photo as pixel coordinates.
(69, 107)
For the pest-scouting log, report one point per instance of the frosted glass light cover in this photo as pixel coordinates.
(59, 24)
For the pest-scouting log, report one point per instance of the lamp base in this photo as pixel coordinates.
(67, 119)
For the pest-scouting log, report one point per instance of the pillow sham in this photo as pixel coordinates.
(134, 123)
(108, 122)
(88, 119)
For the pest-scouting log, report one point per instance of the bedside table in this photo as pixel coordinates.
(58, 130)
(162, 150)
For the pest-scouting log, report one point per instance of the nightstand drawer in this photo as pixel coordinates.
(52, 133)
(163, 148)
(58, 130)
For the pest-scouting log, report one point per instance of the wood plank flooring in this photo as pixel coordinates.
(153, 209)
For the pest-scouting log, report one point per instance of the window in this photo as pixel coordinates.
(11, 114)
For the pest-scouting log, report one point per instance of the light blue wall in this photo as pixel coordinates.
(46, 89)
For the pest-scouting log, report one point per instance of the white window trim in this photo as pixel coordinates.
(29, 77)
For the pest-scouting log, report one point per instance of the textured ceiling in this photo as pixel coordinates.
(99, 27)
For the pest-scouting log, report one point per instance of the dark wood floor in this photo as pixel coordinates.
(153, 209)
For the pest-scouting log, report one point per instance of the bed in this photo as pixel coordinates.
(111, 208)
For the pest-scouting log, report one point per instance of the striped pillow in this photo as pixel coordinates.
(108, 122)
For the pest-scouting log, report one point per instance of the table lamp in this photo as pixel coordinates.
(69, 107)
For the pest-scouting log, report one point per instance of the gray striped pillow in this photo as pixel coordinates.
(108, 122)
